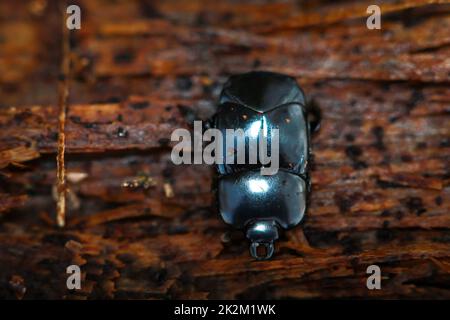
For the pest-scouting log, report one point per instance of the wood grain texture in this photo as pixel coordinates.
(140, 69)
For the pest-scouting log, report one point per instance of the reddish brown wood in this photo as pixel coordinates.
(140, 69)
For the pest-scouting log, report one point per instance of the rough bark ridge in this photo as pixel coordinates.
(139, 69)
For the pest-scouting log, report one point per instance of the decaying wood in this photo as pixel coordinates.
(141, 69)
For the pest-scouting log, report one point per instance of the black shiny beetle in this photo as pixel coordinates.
(261, 204)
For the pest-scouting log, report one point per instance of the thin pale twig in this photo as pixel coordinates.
(63, 97)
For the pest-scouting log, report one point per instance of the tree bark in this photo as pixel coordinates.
(141, 69)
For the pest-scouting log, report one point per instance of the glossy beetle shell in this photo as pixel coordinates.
(248, 196)
(246, 199)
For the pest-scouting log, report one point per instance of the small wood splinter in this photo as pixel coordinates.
(63, 96)
(142, 180)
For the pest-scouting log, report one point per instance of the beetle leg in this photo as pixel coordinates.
(314, 116)
(207, 124)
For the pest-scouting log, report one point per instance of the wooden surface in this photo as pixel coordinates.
(140, 69)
